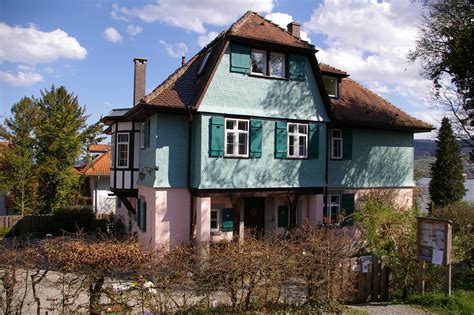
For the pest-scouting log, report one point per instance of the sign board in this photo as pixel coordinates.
(434, 240)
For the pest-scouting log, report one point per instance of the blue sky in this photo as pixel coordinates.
(88, 46)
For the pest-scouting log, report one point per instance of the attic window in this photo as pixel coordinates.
(204, 61)
(331, 86)
(259, 62)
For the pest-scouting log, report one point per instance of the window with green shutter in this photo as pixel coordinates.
(313, 141)
(146, 134)
(347, 143)
(144, 216)
(216, 136)
(139, 212)
(239, 58)
(227, 219)
(283, 216)
(255, 138)
(297, 67)
(348, 204)
(281, 140)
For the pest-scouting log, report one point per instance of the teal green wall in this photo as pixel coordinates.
(241, 94)
(168, 150)
(379, 159)
(264, 172)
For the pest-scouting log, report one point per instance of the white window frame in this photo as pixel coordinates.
(119, 143)
(297, 135)
(336, 85)
(284, 65)
(142, 135)
(265, 61)
(330, 204)
(334, 141)
(236, 132)
(218, 211)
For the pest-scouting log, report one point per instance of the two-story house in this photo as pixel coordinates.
(252, 134)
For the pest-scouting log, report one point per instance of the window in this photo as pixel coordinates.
(331, 86)
(236, 137)
(277, 65)
(112, 157)
(336, 144)
(204, 61)
(122, 149)
(215, 219)
(259, 61)
(333, 207)
(297, 140)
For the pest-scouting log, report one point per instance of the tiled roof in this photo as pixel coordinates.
(359, 106)
(330, 69)
(254, 26)
(99, 147)
(100, 166)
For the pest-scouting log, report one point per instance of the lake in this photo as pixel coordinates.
(424, 199)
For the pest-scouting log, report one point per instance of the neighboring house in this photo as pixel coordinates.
(97, 179)
(253, 134)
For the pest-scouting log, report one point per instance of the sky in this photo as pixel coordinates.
(88, 46)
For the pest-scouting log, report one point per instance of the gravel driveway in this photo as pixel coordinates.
(387, 308)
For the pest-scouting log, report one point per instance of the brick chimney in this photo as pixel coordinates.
(139, 79)
(183, 60)
(294, 29)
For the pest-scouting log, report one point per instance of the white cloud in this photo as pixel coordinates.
(116, 15)
(28, 45)
(134, 30)
(283, 19)
(112, 35)
(21, 78)
(175, 50)
(370, 40)
(193, 15)
(205, 39)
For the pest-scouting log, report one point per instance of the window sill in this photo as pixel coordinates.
(236, 157)
(267, 77)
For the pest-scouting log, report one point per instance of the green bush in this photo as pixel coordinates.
(72, 220)
(460, 302)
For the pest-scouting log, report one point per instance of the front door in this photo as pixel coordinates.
(254, 216)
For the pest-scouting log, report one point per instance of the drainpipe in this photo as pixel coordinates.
(192, 218)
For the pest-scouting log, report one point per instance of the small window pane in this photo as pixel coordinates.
(259, 61)
(331, 86)
(291, 127)
(277, 65)
(230, 124)
(302, 128)
(334, 199)
(243, 125)
(122, 137)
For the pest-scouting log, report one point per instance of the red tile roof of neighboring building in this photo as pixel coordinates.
(100, 166)
(99, 147)
(330, 69)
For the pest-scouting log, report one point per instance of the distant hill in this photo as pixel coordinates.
(424, 148)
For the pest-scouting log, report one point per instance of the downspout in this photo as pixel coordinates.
(192, 218)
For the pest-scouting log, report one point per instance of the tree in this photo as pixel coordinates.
(61, 136)
(447, 179)
(18, 168)
(445, 49)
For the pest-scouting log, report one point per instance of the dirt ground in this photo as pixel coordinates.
(383, 308)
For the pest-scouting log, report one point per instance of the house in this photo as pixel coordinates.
(252, 135)
(97, 179)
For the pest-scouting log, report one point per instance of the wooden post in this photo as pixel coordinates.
(447, 284)
(448, 276)
(421, 278)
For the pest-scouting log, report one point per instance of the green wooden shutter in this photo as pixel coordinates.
(297, 67)
(255, 138)
(281, 140)
(227, 220)
(313, 141)
(139, 212)
(348, 205)
(283, 212)
(146, 136)
(216, 136)
(240, 58)
(144, 216)
(347, 146)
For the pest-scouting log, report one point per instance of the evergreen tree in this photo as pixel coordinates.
(17, 175)
(447, 180)
(62, 135)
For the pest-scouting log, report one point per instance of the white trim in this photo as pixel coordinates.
(283, 68)
(296, 144)
(341, 144)
(264, 53)
(119, 143)
(236, 132)
(328, 210)
(218, 210)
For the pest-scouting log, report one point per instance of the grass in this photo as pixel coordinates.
(4, 231)
(460, 302)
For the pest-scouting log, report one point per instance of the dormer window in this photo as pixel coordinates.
(259, 62)
(277, 65)
(331, 86)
